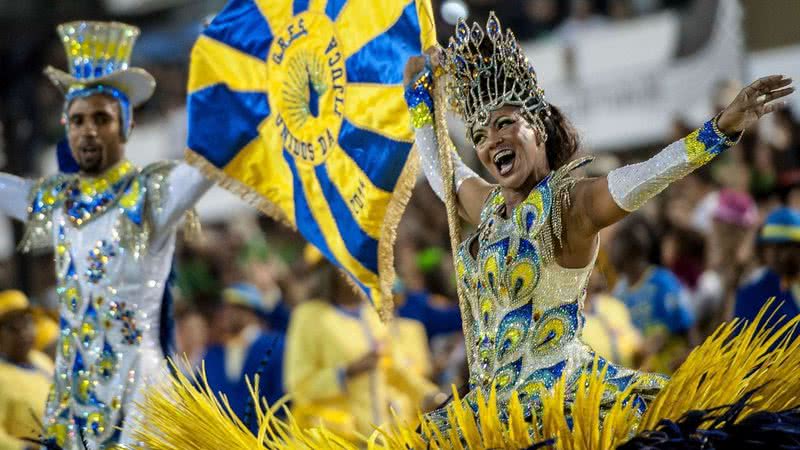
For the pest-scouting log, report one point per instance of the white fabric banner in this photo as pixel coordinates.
(624, 86)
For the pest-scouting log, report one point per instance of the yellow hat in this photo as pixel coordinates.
(46, 329)
(311, 255)
(12, 300)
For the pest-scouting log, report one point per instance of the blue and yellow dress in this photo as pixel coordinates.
(523, 312)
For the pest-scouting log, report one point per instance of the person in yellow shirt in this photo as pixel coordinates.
(609, 329)
(25, 374)
(341, 368)
(412, 354)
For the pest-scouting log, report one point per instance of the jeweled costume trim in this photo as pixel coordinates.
(84, 199)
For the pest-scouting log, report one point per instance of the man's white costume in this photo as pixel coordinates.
(114, 239)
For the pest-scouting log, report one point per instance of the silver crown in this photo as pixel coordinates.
(480, 82)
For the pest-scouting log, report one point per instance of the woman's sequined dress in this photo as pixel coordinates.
(523, 312)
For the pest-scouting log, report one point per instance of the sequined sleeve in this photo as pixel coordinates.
(14, 196)
(420, 105)
(631, 186)
(43, 198)
(173, 189)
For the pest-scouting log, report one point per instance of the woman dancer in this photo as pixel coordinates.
(523, 273)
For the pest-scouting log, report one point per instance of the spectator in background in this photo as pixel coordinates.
(780, 242)
(191, 334)
(608, 328)
(433, 305)
(658, 303)
(413, 355)
(728, 253)
(785, 139)
(682, 253)
(47, 331)
(25, 375)
(341, 365)
(250, 349)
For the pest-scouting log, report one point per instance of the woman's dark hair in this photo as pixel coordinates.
(562, 138)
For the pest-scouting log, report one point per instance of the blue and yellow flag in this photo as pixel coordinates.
(298, 107)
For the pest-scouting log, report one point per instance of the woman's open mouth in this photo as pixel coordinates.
(504, 161)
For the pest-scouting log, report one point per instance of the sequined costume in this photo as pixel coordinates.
(524, 312)
(114, 239)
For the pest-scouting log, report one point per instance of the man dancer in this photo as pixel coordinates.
(113, 226)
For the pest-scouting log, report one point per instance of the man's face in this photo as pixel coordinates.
(95, 134)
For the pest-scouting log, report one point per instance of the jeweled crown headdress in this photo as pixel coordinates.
(487, 69)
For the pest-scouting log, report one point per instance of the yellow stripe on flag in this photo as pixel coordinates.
(355, 30)
(277, 13)
(317, 5)
(327, 224)
(379, 108)
(427, 25)
(261, 166)
(240, 71)
(357, 191)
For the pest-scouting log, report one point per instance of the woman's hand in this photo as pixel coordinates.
(416, 64)
(754, 101)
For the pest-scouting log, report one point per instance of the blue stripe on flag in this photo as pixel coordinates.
(299, 6)
(333, 7)
(241, 25)
(362, 246)
(382, 59)
(306, 224)
(222, 121)
(382, 159)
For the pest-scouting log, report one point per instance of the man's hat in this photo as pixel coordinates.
(781, 226)
(98, 53)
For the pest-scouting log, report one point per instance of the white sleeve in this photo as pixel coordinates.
(185, 185)
(420, 104)
(631, 186)
(14, 192)
(428, 149)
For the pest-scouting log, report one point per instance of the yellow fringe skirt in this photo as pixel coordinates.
(179, 415)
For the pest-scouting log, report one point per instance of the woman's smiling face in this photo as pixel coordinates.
(511, 149)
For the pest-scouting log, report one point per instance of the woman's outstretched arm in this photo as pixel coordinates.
(600, 202)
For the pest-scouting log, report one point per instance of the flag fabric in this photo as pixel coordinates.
(298, 107)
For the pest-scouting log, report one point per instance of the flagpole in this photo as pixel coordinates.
(446, 150)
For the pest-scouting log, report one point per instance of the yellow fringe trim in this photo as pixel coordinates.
(394, 212)
(179, 415)
(732, 366)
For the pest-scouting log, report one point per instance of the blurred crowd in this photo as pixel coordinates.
(253, 300)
